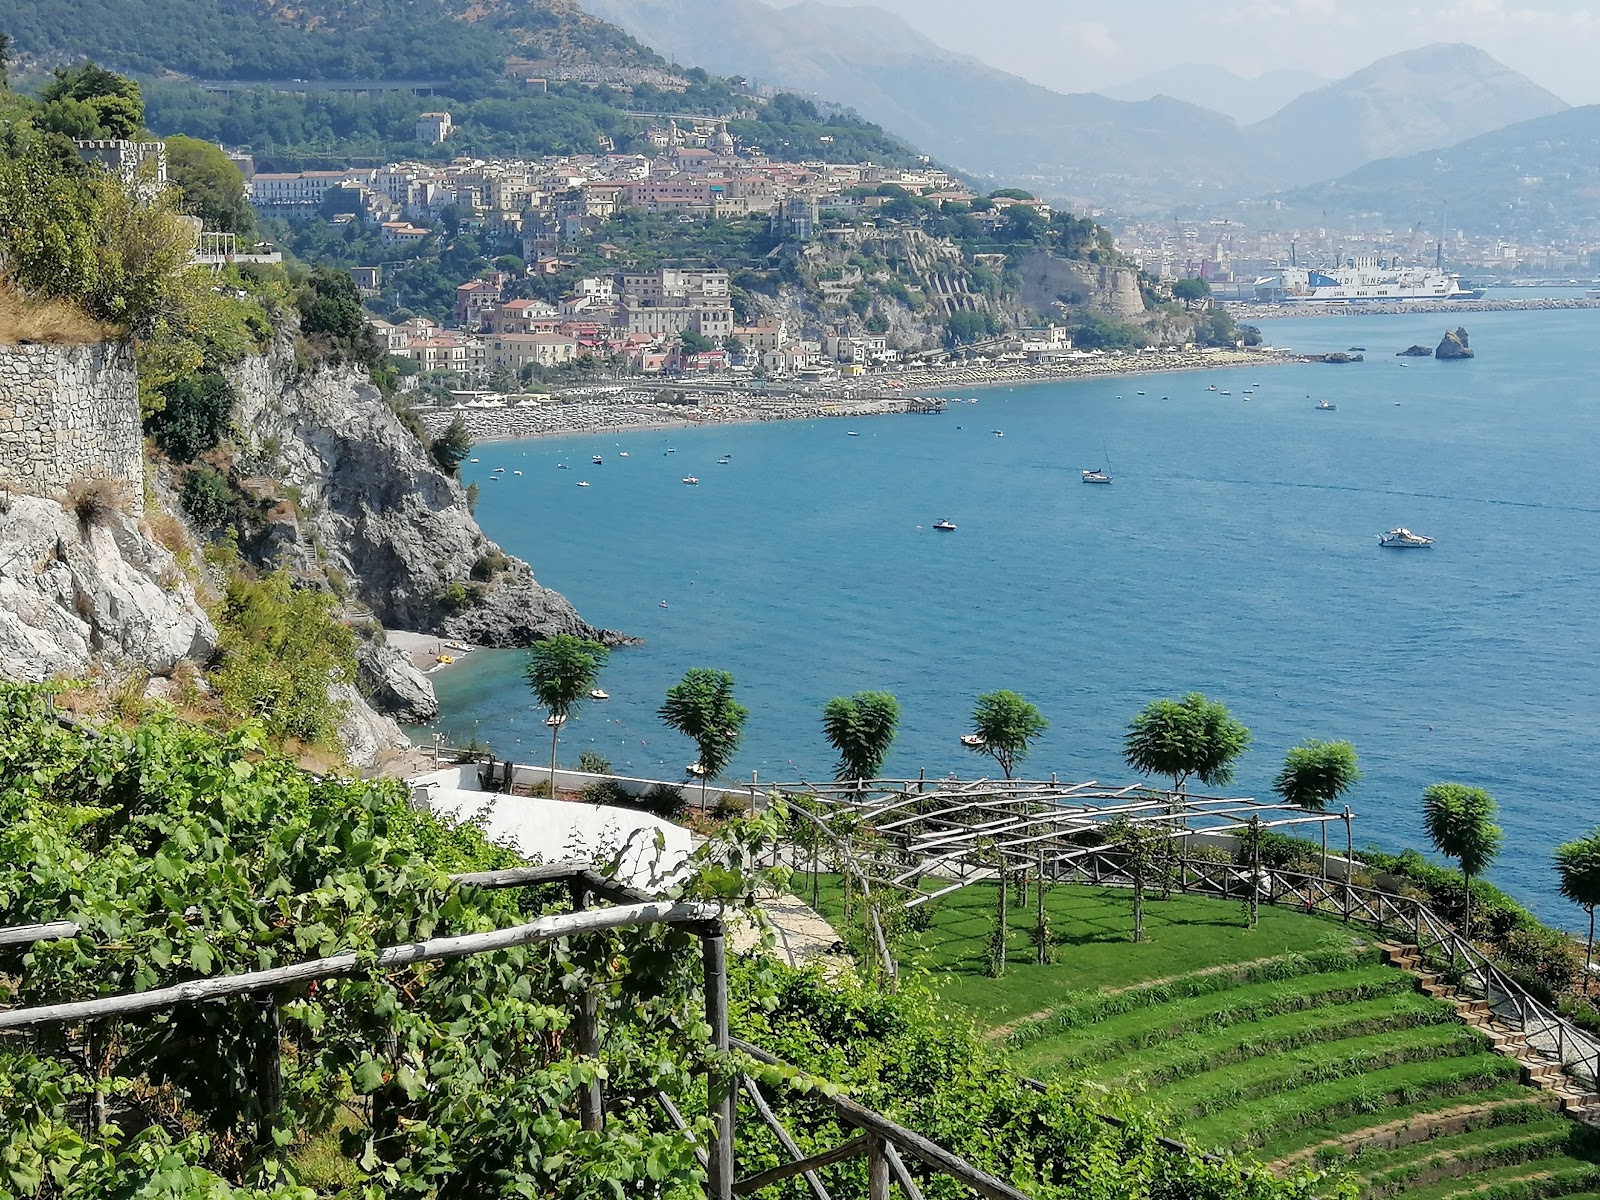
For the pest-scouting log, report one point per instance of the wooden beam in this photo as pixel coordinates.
(902, 1176)
(754, 1183)
(682, 1126)
(908, 1140)
(545, 929)
(764, 1111)
(28, 935)
(719, 1089)
(877, 1169)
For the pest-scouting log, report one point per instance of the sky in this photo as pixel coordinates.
(1072, 46)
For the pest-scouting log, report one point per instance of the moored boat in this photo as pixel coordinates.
(947, 525)
(1096, 475)
(1403, 539)
(690, 479)
(1324, 406)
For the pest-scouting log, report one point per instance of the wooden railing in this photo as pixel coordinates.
(885, 1143)
(1412, 921)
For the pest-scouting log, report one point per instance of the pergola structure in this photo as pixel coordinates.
(963, 832)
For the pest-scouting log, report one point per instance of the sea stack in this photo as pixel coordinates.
(1415, 352)
(1454, 345)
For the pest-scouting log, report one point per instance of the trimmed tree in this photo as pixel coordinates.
(561, 671)
(702, 708)
(1460, 824)
(1314, 775)
(1004, 725)
(1578, 870)
(1183, 739)
(861, 728)
(1144, 849)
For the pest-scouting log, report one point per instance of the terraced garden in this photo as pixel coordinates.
(1293, 1042)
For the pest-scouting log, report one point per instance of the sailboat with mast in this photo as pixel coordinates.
(1099, 474)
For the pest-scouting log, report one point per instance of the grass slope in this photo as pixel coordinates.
(1290, 1040)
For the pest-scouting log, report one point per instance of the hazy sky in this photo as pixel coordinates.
(1073, 46)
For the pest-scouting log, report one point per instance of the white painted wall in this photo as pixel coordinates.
(552, 830)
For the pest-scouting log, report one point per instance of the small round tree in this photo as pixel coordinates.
(1003, 724)
(861, 728)
(1578, 869)
(561, 671)
(1460, 824)
(1183, 739)
(1314, 775)
(702, 708)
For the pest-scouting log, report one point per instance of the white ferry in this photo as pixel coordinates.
(1364, 279)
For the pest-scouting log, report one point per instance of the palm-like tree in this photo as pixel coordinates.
(1003, 724)
(702, 708)
(1460, 823)
(1578, 867)
(561, 671)
(861, 729)
(1314, 775)
(1192, 737)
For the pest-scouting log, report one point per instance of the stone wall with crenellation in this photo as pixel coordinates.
(68, 413)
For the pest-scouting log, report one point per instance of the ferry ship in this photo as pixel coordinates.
(1365, 279)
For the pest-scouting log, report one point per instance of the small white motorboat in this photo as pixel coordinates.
(623, 454)
(583, 483)
(562, 467)
(691, 480)
(597, 460)
(1404, 539)
(852, 433)
(946, 525)
(1324, 406)
(472, 460)
(516, 472)
(597, 694)
(555, 722)
(972, 741)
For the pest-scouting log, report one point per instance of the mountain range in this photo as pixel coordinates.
(1151, 153)
(1219, 89)
(1536, 177)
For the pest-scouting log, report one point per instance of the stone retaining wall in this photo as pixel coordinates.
(69, 413)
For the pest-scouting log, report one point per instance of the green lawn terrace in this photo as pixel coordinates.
(1294, 1041)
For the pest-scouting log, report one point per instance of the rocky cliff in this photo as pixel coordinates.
(1110, 290)
(77, 594)
(1454, 345)
(368, 507)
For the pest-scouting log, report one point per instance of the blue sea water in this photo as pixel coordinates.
(1235, 555)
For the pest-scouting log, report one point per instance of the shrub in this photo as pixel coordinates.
(663, 800)
(451, 447)
(489, 565)
(1543, 961)
(96, 501)
(206, 497)
(282, 648)
(195, 417)
(454, 596)
(730, 807)
(592, 764)
(606, 791)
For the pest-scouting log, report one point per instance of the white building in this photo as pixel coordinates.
(433, 128)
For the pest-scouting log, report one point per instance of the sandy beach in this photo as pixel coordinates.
(428, 652)
(632, 408)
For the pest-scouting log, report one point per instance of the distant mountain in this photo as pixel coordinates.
(992, 124)
(1540, 176)
(1219, 89)
(1417, 100)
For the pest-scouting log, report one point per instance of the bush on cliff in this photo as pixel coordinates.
(281, 648)
(195, 417)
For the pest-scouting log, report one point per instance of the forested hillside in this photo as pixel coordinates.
(476, 57)
(322, 40)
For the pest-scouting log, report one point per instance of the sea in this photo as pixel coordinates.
(1235, 554)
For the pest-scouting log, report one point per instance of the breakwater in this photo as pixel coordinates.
(1266, 312)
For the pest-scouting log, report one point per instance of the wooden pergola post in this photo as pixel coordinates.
(592, 1102)
(719, 1089)
(1349, 865)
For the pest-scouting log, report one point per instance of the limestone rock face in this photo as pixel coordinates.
(393, 685)
(1113, 291)
(372, 506)
(1454, 345)
(1415, 352)
(366, 735)
(74, 594)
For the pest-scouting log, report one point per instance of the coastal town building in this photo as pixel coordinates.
(667, 302)
(513, 351)
(433, 128)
